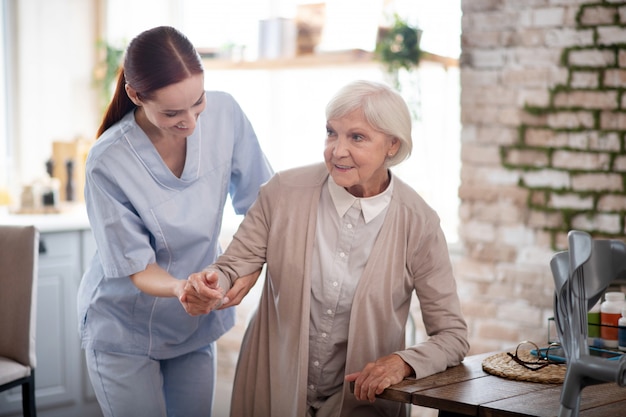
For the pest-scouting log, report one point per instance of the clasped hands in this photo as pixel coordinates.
(202, 293)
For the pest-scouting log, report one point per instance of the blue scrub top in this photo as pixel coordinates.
(141, 213)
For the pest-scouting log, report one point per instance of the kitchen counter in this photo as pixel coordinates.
(70, 217)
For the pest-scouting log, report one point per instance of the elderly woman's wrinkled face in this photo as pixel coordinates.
(355, 154)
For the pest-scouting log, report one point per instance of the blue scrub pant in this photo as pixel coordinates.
(139, 386)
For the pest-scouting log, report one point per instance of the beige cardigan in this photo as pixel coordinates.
(410, 254)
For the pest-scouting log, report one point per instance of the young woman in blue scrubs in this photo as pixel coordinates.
(168, 153)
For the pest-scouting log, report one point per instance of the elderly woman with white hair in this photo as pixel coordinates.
(346, 243)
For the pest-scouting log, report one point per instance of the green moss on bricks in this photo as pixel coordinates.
(536, 110)
(603, 4)
(538, 198)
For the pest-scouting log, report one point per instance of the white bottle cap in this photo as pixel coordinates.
(614, 296)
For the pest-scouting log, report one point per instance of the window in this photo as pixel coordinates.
(5, 151)
(7, 82)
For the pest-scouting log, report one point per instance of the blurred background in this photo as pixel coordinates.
(281, 59)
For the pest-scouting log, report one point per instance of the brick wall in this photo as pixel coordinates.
(543, 109)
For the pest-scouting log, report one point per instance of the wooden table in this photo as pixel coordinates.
(467, 390)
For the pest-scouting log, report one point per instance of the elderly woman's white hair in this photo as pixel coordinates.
(383, 108)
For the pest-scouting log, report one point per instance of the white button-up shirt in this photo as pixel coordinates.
(347, 228)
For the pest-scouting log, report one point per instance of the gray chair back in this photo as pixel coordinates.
(19, 251)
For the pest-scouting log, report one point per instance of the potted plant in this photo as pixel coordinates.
(106, 71)
(398, 47)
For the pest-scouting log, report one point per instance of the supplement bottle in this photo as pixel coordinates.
(593, 325)
(621, 332)
(610, 313)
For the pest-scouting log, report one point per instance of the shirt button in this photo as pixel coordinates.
(329, 311)
(324, 335)
(316, 363)
(349, 226)
(335, 284)
(342, 254)
(311, 386)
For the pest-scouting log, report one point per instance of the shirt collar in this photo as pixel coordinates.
(370, 206)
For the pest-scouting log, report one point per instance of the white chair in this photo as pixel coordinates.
(581, 275)
(19, 247)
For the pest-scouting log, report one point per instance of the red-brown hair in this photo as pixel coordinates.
(154, 59)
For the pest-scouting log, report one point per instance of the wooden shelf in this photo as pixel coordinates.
(326, 59)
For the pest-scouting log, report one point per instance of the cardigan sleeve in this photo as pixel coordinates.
(277, 219)
(435, 286)
(246, 252)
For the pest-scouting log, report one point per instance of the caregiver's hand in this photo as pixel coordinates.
(376, 376)
(202, 293)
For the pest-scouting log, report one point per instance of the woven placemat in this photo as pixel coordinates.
(503, 365)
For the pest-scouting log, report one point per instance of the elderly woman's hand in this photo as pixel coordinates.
(376, 376)
(240, 289)
(201, 293)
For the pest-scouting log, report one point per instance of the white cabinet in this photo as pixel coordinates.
(62, 387)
